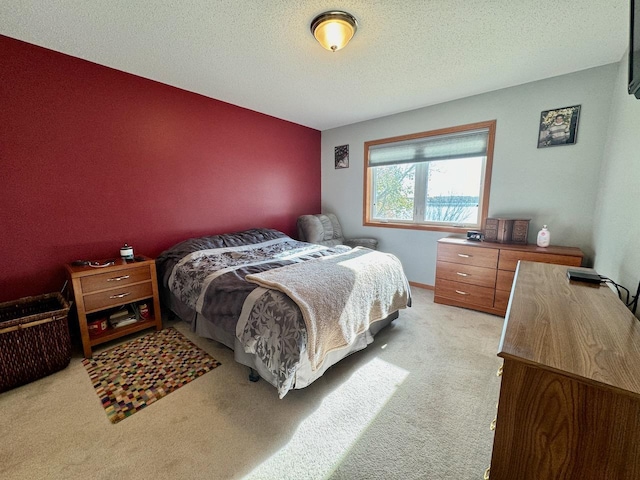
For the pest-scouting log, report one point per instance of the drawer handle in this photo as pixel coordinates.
(462, 274)
(121, 295)
(460, 292)
(486, 474)
(464, 255)
(499, 372)
(492, 427)
(117, 279)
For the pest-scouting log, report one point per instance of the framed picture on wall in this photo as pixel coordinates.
(342, 156)
(558, 127)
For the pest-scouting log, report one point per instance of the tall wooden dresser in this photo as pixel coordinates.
(479, 275)
(570, 388)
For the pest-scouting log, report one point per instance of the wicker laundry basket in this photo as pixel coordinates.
(34, 339)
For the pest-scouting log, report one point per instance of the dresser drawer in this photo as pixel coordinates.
(465, 293)
(502, 299)
(117, 296)
(102, 281)
(504, 280)
(457, 272)
(477, 256)
(509, 259)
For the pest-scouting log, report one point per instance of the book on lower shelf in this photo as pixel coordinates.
(125, 316)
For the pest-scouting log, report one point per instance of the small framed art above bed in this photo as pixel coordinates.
(288, 309)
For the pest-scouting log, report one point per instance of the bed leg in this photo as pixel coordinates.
(253, 375)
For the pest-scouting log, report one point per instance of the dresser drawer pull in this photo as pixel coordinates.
(462, 274)
(486, 474)
(492, 427)
(499, 372)
(121, 295)
(459, 292)
(464, 255)
(117, 279)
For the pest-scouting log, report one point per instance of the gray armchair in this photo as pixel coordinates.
(326, 230)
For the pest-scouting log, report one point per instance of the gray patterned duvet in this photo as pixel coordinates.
(207, 276)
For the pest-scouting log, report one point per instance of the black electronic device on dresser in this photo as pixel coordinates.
(475, 235)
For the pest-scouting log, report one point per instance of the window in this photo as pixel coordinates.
(436, 180)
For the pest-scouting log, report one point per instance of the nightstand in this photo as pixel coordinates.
(97, 290)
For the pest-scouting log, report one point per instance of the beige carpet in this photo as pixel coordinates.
(416, 404)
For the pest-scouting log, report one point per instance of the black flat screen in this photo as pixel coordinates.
(634, 50)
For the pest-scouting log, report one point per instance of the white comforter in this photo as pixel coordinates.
(339, 295)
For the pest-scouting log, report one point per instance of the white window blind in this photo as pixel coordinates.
(441, 147)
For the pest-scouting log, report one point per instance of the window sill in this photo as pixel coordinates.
(417, 226)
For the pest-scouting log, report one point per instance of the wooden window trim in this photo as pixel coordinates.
(368, 178)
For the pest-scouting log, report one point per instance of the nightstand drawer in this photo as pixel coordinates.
(117, 296)
(455, 272)
(471, 294)
(479, 257)
(115, 279)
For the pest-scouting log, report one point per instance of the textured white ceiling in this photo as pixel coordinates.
(260, 54)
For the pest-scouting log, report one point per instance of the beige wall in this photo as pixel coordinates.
(556, 186)
(617, 220)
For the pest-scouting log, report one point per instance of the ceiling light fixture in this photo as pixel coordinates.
(334, 29)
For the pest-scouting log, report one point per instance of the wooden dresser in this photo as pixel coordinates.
(479, 275)
(570, 388)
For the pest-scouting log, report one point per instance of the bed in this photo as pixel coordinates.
(288, 309)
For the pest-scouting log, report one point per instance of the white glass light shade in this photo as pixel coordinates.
(333, 30)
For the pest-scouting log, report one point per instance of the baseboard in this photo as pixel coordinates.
(422, 285)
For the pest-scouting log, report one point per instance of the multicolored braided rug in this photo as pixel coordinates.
(129, 377)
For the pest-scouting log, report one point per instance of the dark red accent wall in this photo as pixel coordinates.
(91, 157)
